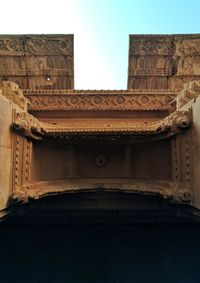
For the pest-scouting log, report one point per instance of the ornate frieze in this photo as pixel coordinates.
(36, 44)
(99, 100)
(11, 45)
(150, 45)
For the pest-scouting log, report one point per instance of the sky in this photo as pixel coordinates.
(101, 30)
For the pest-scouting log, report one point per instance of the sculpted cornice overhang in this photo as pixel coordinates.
(174, 124)
(27, 125)
(103, 100)
(191, 91)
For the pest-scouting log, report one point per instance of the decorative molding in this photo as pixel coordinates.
(38, 91)
(36, 44)
(186, 158)
(175, 160)
(190, 91)
(23, 194)
(174, 124)
(27, 125)
(27, 158)
(151, 45)
(50, 45)
(149, 72)
(21, 164)
(176, 192)
(10, 46)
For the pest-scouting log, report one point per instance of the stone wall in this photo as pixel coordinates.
(37, 61)
(163, 61)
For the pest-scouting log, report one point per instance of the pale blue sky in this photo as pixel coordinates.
(101, 29)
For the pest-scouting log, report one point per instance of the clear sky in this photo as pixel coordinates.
(101, 29)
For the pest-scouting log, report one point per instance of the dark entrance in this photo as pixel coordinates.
(132, 240)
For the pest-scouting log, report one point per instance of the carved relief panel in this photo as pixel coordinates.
(38, 61)
(163, 61)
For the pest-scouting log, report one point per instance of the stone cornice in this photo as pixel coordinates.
(174, 124)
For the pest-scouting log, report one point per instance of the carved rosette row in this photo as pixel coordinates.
(100, 102)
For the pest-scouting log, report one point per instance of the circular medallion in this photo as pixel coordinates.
(74, 100)
(12, 45)
(144, 99)
(97, 99)
(37, 45)
(120, 99)
(101, 161)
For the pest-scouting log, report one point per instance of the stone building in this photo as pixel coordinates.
(99, 185)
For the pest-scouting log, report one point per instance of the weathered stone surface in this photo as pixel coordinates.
(163, 61)
(142, 141)
(55, 156)
(37, 61)
(6, 115)
(189, 98)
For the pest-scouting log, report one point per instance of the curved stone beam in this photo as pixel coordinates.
(176, 192)
(174, 124)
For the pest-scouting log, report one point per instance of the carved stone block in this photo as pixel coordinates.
(163, 61)
(38, 61)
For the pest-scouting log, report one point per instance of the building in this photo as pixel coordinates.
(86, 173)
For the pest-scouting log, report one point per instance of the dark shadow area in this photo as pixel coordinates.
(100, 238)
(97, 253)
